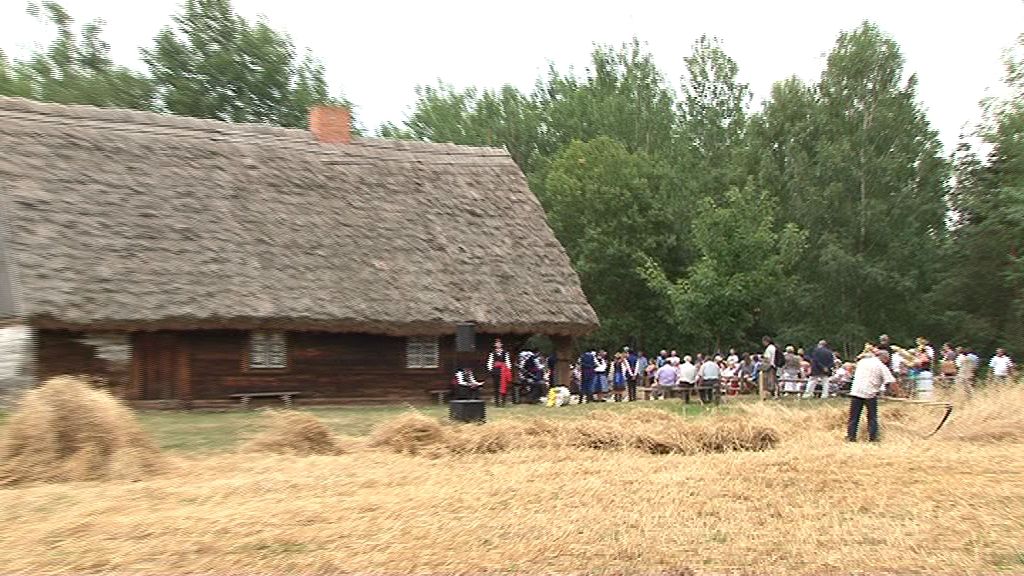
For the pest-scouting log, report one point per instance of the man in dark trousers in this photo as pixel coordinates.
(870, 378)
(631, 359)
(588, 361)
(822, 363)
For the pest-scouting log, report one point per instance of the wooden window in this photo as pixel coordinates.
(421, 352)
(268, 350)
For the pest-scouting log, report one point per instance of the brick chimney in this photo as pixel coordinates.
(331, 124)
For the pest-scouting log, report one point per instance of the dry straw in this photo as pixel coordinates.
(813, 504)
(66, 430)
(410, 433)
(294, 432)
(645, 429)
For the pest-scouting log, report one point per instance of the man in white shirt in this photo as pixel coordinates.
(870, 378)
(687, 377)
(708, 378)
(768, 382)
(1001, 366)
(666, 377)
(966, 364)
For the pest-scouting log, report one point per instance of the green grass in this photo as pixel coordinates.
(204, 431)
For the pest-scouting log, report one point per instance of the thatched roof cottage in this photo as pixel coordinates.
(189, 259)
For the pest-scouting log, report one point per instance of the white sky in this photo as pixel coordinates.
(377, 51)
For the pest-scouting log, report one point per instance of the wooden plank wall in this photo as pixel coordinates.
(323, 364)
(66, 352)
(211, 364)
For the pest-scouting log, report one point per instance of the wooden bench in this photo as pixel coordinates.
(440, 395)
(285, 397)
(675, 391)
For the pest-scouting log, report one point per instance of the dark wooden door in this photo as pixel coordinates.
(160, 366)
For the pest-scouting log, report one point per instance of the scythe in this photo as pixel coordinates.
(947, 405)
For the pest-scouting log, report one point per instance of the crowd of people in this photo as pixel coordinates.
(597, 376)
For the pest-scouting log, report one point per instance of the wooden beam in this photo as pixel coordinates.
(183, 370)
(134, 388)
(563, 349)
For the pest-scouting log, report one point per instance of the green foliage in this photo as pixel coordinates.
(622, 95)
(505, 117)
(982, 285)
(606, 205)
(214, 64)
(74, 69)
(854, 162)
(712, 119)
(743, 266)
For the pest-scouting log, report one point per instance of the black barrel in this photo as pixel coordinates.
(467, 411)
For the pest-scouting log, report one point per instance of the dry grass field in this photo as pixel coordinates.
(760, 490)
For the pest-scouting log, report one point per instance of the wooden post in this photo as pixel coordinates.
(183, 371)
(134, 389)
(563, 349)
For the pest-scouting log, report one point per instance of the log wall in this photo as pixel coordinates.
(212, 364)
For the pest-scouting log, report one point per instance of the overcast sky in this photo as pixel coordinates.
(377, 51)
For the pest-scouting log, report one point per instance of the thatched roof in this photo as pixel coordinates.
(120, 219)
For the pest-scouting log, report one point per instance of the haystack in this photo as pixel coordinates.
(410, 433)
(294, 432)
(68, 431)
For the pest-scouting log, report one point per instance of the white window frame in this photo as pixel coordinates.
(422, 352)
(268, 350)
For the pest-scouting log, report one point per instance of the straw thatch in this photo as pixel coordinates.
(121, 219)
(294, 432)
(66, 431)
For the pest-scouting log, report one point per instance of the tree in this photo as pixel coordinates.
(854, 161)
(744, 263)
(622, 96)
(73, 69)
(604, 204)
(215, 64)
(505, 117)
(981, 293)
(712, 119)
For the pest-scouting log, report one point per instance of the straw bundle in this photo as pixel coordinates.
(410, 433)
(66, 431)
(294, 432)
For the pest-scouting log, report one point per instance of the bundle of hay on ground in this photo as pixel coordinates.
(660, 432)
(67, 431)
(648, 430)
(294, 432)
(735, 434)
(486, 439)
(410, 433)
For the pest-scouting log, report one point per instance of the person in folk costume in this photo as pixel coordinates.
(588, 376)
(467, 387)
(499, 364)
(533, 374)
(601, 375)
(635, 370)
(622, 373)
